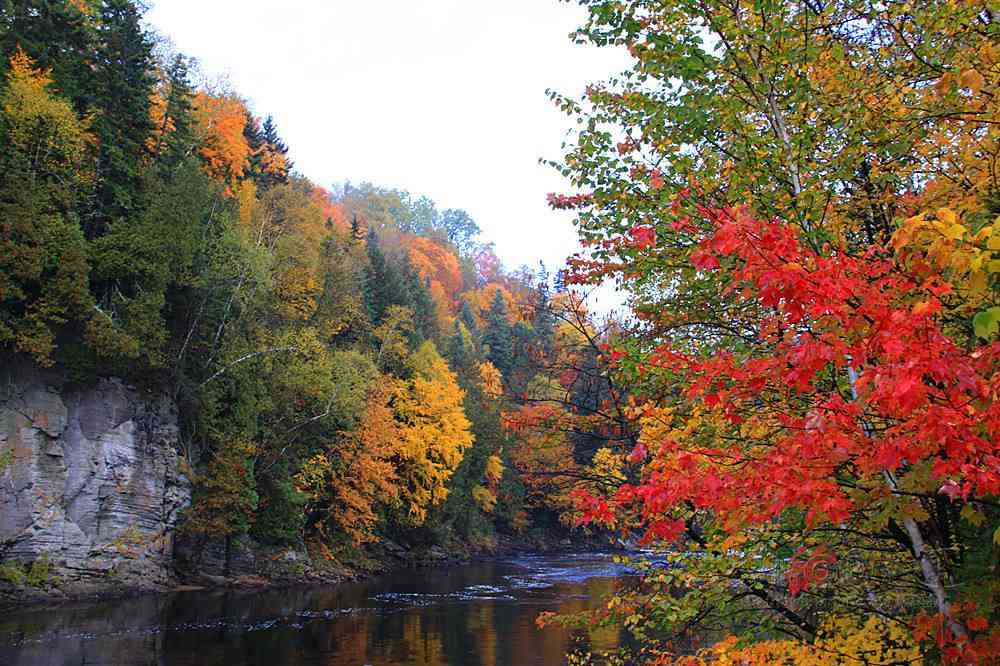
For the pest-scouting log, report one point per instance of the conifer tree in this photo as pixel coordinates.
(468, 318)
(543, 320)
(384, 282)
(177, 130)
(497, 337)
(123, 87)
(57, 36)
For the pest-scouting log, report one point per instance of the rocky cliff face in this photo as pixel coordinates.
(89, 476)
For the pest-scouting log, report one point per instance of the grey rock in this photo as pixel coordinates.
(95, 482)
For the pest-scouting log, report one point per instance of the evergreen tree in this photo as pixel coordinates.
(272, 139)
(178, 143)
(57, 36)
(459, 350)
(357, 229)
(543, 320)
(468, 318)
(123, 85)
(497, 337)
(385, 284)
(424, 308)
(269, 163)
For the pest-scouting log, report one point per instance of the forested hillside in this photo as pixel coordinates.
(800, 417)
(342, 359)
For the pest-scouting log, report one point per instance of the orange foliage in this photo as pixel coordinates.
(348, 481)
(481, 299)
(331, 210)
(436, 263)
(224, 149)
(542, 454)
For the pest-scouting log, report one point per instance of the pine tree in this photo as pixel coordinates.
(543, 320)
(269, 163)
(357, 229)
(57, 36)
(277, 146)
(384, 283)
(460, 351)
(123, 84)
(468, 318)
(424, 307)
(179, 142)
(497, 337)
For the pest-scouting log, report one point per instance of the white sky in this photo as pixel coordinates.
(439, 97)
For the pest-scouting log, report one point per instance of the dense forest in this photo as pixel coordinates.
(349, 364)
(800, 416)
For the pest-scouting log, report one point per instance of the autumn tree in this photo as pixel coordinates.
(435, 432)
(43, 266)
(792, 200)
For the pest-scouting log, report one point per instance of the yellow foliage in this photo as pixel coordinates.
(491, 381)
(484, 498)
(435, 432)
(44, 162)
(297, 291)
(494, 469)
(840, 641)
(607, 464)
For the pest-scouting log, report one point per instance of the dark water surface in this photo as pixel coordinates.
(475, 614)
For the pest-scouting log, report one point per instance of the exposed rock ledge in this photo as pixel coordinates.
(93, 478)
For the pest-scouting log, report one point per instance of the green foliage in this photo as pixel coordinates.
(43, 268)
(280, 517)
(225, 497)
(154, 231)
(38, 574)
(141, 260)
(497, 338)
(123, 87)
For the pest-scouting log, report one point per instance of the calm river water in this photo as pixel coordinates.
(475, 614)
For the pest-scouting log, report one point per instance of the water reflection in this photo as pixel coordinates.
(474, 615)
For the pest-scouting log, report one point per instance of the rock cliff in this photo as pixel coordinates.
(90, 477)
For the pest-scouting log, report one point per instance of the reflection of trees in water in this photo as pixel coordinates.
(305, 626)
(481, 622)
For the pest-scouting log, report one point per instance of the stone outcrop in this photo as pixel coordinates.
(90, 477)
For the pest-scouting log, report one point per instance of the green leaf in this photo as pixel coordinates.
(987, 323)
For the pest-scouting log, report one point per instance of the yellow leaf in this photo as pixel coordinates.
(993, 266)
(953, 231)
(947, 216)
(977, 282)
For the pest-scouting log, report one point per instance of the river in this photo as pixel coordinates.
(477, 614)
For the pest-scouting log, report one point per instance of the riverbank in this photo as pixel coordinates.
(290, 568)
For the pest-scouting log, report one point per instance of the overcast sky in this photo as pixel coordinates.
(439, 97)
